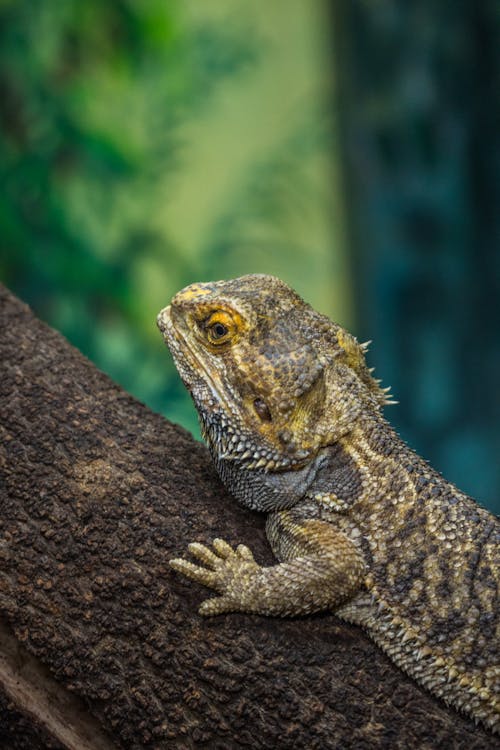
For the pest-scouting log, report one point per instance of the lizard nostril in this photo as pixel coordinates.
(162, 317)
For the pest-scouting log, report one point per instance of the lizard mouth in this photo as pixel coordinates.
(189, 364)
(163, 320)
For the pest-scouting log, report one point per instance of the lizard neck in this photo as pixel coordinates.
(369, 462)
(375, 439)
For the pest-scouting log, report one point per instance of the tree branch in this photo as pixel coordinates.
(101, 645)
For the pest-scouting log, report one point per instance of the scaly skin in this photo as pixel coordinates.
(360, 524)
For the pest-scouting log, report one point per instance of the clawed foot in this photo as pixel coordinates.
(227, 571)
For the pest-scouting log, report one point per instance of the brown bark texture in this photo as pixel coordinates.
(101, 645)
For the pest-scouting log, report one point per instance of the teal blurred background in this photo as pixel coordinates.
(350, 148)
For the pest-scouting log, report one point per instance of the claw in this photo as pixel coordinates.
(226, 570)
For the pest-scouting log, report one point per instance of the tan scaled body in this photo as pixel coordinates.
(360, 524)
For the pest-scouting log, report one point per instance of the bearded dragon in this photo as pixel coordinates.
(359, 523)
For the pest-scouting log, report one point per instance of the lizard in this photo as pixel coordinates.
(359, 523)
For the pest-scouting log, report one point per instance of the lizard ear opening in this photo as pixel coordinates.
(310, 404)
(262, 410)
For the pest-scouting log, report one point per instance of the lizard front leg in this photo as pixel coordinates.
(321, 569)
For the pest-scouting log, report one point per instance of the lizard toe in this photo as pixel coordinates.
(243, 551)
(223, 549)
(195, 572)
(216, 606)
(204, 554)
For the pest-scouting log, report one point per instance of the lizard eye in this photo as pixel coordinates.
(219, 328)
(262, 410)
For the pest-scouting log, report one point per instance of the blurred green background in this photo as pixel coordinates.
(350, 148)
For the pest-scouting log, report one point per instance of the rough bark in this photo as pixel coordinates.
(100, 644)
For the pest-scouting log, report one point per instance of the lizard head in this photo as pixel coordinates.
(273, 380)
